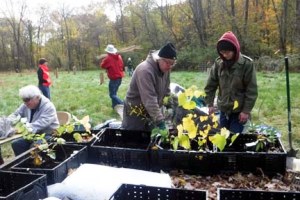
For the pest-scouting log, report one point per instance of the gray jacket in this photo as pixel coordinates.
(146, 92)
(44, 119)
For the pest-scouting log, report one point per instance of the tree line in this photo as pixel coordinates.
(74, 38)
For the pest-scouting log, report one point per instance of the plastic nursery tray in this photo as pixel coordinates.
(121, 148)
(230, 194)
(231, 160)
(57, 170)
(22, 186)
(130, 192)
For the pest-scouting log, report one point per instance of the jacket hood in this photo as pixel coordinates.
(230, 37)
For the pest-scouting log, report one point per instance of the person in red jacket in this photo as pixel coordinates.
(44, 77)
(114, 66)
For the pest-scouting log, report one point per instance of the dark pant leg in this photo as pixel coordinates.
(231, 122)
(45, 90)
(113, 89)
(20, 145)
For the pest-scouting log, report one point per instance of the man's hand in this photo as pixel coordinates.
(243, 117)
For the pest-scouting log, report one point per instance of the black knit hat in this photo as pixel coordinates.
(168, 51)
(226, 46)
(42, 61)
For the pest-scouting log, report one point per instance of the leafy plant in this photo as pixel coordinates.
(195, 126)
(266, 135)
(70, 128)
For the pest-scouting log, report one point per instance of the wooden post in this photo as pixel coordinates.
(56, 72)
(101, 77)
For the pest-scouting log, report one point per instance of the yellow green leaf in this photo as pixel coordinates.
(233, 138)
(225, 133)
(235, 104)
(175, 143)
(218, 140)
(203, 118)
(184, 141)
(77, 137)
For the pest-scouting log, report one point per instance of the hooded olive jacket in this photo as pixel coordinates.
(236, 83)
(146, 92)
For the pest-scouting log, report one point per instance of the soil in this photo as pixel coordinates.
(235, 181)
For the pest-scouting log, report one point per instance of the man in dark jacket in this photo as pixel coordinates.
(233, 75)
(148, 87)
(113, 63)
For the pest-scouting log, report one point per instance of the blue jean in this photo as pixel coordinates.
(45, 90)
(231, 122)
(21, 145)
(113, 87)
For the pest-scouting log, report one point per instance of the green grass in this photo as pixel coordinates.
(81, 94)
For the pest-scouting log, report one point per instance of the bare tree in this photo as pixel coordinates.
(297, 23)
(199, 20)
(281, 18)
(15, 23)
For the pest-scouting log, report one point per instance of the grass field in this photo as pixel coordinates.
(81, 94)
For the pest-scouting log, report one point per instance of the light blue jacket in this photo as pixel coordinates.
(44, 119)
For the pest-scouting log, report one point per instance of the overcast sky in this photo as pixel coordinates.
(34, 5)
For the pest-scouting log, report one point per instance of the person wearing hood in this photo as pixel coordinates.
(40, 114)
(114, 66)
(148, 87)
(233, 75)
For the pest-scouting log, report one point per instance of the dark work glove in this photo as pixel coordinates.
(199, 101)
(162, 125)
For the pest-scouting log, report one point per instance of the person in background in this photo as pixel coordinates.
(44, 77)
(130, 66)
(113, 64)
(40, 114)
(148, 87)
(233, 75)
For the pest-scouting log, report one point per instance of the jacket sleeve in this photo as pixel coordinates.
(105, 63)
(212, 85)
(251, 89)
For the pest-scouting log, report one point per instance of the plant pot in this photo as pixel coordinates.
(121, 148)
(22, 186)
(67, 157)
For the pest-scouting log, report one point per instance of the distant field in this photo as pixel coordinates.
(81, 94)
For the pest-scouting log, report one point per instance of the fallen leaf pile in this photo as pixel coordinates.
(235, 181)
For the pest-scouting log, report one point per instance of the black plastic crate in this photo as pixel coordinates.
(230, 194)
(22, 186)
(188, 161)
(57, 170)
(130, 192)
(121, 148)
